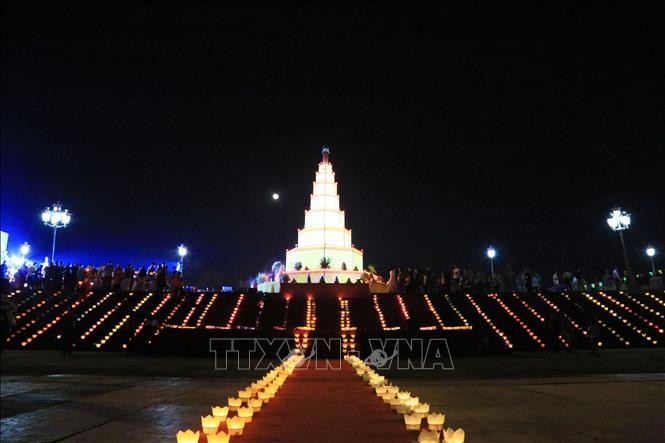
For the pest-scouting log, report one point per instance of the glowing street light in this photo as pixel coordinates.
(56, 218)
(619, 221)
(182, 251)
(491, 253)
(651, 251)
(25, 248)
(275, 196)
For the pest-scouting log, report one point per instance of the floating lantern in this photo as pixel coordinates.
(453, 436)
(265, 396)
(395, 402)
(411, 402)
(412, 421)
(234, 403)
(210, 424)
(387, 396)
(392, 389)
(402, 408)
(246, 413)
(380, 390)
(421, 409)
(426, 436)
(188, 436)
(435, 421)
(219, 412)
(245, 394)
(403, 395)
(221, 437)
(255, 403)
(235, 425)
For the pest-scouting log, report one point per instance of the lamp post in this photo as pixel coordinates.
(25, 248)
(651, 251)
(619, 221)
(491, 253)
(182, 251)
(56, 218)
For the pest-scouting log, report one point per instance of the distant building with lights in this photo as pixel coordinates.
(324, 249)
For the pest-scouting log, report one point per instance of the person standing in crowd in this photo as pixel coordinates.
(528, 280)
(555, 281)
(456, 277)
(118, 277)
(161, 278)
(107, 276)
(616, 276)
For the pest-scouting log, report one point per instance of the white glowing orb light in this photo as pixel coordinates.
(491, 252)
(25, 248)
(275, 196)
(651, 251)
(618, 220)
(56, 218)
(182, 250)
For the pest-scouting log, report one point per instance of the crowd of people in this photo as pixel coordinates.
(457, 279)
(107, 277)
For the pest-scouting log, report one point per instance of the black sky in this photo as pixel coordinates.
(452, 126)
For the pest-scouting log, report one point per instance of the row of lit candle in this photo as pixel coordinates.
(645, 307)
(633, 312)
(45, 327)
(379, 313)
(234, 311)
(489, 321)
(623, 320)
(207, 307)
(601, 323)
(467, 325)
(412, 411)
(113, 330)
(517, 318)
(347, 332)
(402, 307)
(529, 308)
(310, 314)
(254, 396)
(94, 306)
(100, 321)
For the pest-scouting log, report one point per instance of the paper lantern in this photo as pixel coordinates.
(220, 437)
(395, 402)
(392, 389)
(245, 394)
(435, 421)
(265, 396)
(255, 403)
(188, 436)
(453, 436)
(403, 395)
(219, 412)
(411, 402)
(210, 424)
(426, 436)
(387, 396)
(402, 408)
(380, 389)
(412, 421)
(246, 413)
(235, 425)
(421, 409)
(234, 403)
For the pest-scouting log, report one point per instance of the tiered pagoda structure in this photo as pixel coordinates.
(324, 248)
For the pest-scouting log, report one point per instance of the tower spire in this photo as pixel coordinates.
(325, 151)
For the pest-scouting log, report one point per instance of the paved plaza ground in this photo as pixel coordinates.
(524, 397)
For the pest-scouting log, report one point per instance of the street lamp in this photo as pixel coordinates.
(491, 253)
(651, 252)
(25, 248)
(619, 221)
(56, 218)
(182, 251)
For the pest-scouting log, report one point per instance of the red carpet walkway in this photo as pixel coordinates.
(326, 406)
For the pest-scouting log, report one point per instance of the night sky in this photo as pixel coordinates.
(451, 127)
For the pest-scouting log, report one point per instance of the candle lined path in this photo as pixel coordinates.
(326, 405)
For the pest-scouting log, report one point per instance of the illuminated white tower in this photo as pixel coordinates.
(324, 236)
